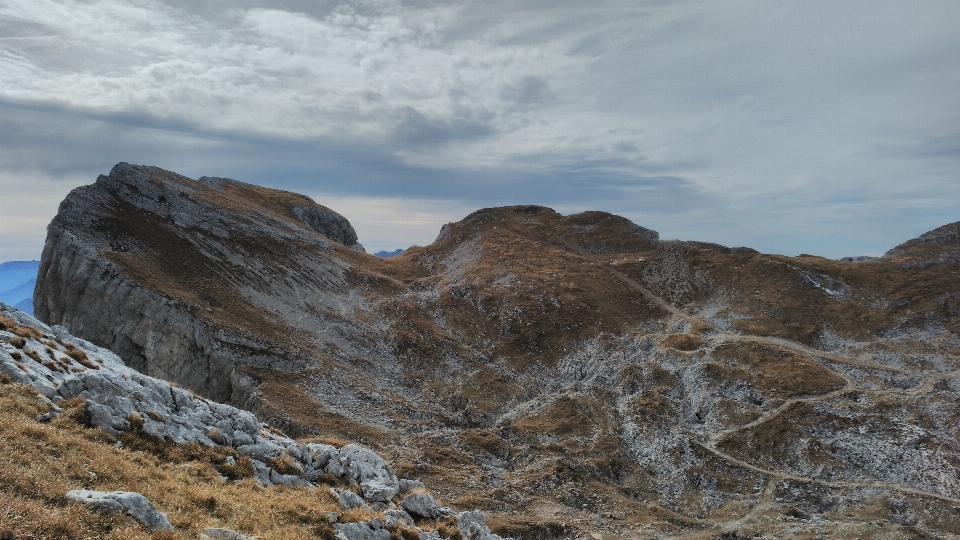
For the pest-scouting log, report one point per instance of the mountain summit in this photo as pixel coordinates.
(556, 370)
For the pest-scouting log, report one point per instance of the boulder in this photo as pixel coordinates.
(396, 516)
(366, 468)
(119, 502)
(406, 485)
(423, 506)
(348, 499)
(217, 533)
(362, 531)
(471, 525)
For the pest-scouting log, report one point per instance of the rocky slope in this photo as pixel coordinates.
(574, 374)
(122, 401)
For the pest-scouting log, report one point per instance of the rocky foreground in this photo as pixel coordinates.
(122, 400)
(573, 376)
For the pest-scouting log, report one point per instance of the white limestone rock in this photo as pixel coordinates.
(118, 502)
(397, 516)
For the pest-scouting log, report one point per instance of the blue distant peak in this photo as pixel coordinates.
(388, 254)
(17, 281)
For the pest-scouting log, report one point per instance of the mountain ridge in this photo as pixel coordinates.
(553, 369)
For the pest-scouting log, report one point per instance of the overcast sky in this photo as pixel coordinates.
(825, 127)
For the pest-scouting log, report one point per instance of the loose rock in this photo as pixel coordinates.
(118, 502)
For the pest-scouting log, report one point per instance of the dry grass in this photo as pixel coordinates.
(43, 461)
(775, 370)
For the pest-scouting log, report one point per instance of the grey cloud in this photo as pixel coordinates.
(740, 122)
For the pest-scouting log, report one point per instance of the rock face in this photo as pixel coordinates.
(574, 370)
(184, 274)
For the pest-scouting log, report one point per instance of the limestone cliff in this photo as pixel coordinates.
(182, 277)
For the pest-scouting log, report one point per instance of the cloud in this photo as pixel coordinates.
(742, 123)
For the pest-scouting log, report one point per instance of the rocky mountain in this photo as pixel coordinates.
(574, 375)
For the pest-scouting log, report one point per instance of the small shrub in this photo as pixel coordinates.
(285, 465)
(81, 358)
(16, 355)
(35, 355)
(157, 417)
(241, 468)
(136, 421)
(17, 342)
(27, 332)
(403, 533)
(6, 323)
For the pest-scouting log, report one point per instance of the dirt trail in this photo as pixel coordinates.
(712, 439)
(823, 358)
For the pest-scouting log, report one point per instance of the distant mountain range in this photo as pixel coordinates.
(388, 254)
(17, 281)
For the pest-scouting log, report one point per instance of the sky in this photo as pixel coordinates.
(814, 126)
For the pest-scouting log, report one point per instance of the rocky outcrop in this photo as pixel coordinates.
(120, 399)
(182, 278)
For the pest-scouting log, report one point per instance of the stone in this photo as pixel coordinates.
(348, 499)
(471, 525)
(396, 516)
(85, 288)
(366, 468)
(360, 531)
(406, 485)
(117, 502)
(226, 534)
(423, 506)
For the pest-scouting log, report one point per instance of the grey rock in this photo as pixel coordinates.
(421, 505)
(430, 535)
(328, 223)
(396, 516)
(121, 399)
(117, 502)
(377, 481)
(471, 525)
(226, 534)
(348, 499)
(360, 531)
(406, 485)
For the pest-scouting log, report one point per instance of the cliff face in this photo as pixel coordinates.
(567, 369)
(183, 277)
